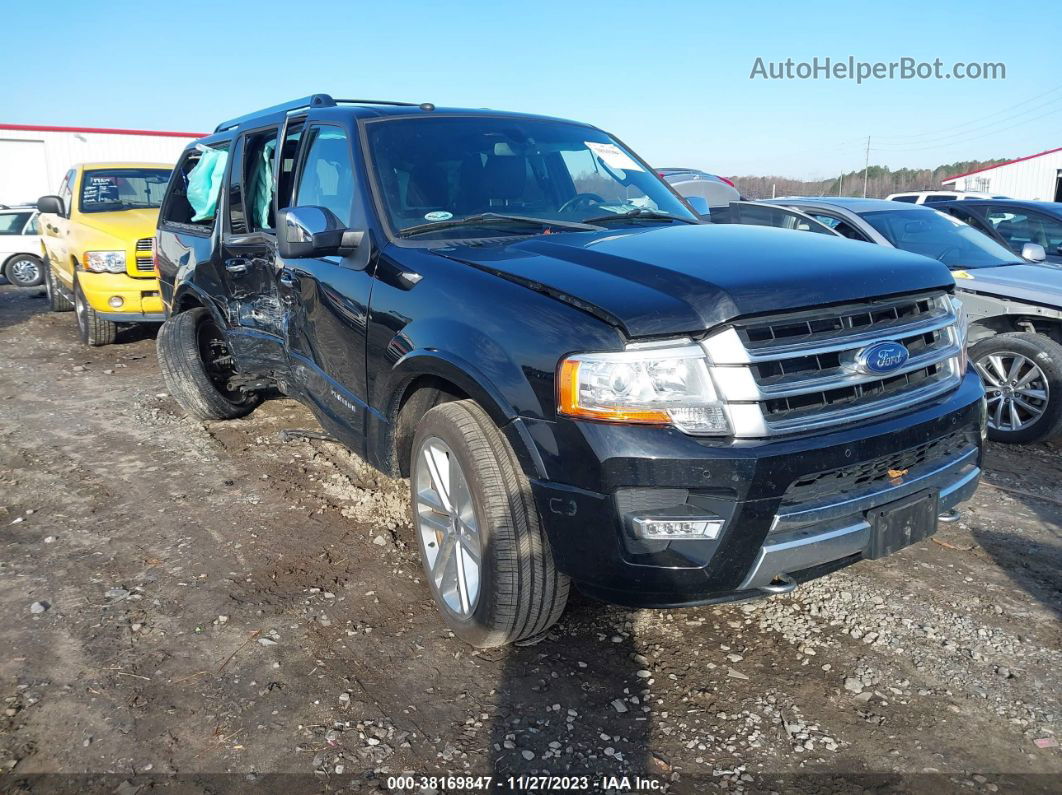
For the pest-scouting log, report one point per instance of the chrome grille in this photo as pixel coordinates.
(794, 371)
(145, 263)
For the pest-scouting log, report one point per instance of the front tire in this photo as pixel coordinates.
(57, 302)
(487, 559)
(196, 365)
(94, 328)
(1022, 376)
(25, 270)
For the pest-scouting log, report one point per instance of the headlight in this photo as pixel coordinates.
(105, 261)
(962, 330)
(652, 384)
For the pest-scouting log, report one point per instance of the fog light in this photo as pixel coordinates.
(115, 301)
(662, 528)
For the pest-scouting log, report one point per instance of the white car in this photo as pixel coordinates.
(20, 246)
(931, 196)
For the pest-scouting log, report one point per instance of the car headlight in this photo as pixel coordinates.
(962, 330)
(105, 261)
(665, 384)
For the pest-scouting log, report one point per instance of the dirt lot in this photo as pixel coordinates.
(214, 601)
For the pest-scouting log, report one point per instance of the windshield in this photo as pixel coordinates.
(438, 170)
(108, 190)
(939, 236)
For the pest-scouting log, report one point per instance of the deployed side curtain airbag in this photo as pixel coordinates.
(204, 182)
(262, 186)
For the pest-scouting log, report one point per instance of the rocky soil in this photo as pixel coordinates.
(220, 606)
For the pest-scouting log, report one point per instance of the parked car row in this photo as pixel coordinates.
(997, 249)
(583, 381)
(20, 261)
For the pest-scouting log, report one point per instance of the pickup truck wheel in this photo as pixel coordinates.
(487, 559)
(1022, 375)
(197, 365)
(94, 328)
(57, 302)
(24, 270)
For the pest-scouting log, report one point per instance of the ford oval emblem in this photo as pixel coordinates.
(882, 358)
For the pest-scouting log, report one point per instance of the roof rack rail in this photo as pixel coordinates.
(377, 102)
(312, 101)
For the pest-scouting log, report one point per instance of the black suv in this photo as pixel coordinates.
(580, 380)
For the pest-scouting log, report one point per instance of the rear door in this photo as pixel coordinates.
(248, 245)
(327, 298)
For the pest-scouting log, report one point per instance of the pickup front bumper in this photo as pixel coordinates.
(141, 301)
(792, 509)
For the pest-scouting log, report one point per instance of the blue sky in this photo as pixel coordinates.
(671, 79)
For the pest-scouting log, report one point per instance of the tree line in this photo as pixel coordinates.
(881, 181)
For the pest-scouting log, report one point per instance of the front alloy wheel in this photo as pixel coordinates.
(1016, 389)
(1022, 377)
(448, 527)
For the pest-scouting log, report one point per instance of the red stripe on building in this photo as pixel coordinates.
(1000, 165)
(104, 130)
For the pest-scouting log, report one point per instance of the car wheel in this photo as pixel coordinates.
(487, 559)
(25, 270)
(57, 302)
(197, 367)
(1022, 376)
(94, 328)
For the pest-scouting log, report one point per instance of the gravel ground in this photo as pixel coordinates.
(238, 608)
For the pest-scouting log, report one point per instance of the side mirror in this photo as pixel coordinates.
(699, 205)
(313, 232)
(1033, 252)
(51, 204)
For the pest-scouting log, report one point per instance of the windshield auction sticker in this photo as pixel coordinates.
(611, 155)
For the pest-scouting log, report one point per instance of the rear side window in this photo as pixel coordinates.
(12, 223)
(326, 179)
(178, 208)
(938, 197)
(910, 199)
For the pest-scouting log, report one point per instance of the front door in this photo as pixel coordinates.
(55, 233)
(327, 298)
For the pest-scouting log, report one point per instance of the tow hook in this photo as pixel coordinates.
(782, 583)
(949, 516)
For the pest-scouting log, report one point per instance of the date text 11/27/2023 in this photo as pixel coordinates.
(527, 783)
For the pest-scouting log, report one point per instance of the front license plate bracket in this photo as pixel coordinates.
(902, 523)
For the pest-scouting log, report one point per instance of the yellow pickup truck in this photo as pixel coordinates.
(97, 239)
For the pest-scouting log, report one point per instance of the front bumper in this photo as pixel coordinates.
(771, 526)
(141, 299)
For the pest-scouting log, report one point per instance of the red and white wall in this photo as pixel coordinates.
(33, 159)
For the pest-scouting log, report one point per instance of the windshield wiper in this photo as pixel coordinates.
(639, 213)
(496, 218)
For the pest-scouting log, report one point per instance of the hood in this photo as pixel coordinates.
(1036, 284)
(125, 225)
(678, 279)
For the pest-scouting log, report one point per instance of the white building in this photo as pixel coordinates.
(33, 159)
(1036, 177)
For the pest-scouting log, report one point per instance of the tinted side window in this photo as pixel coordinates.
(908, 199)
(12, 223)
(938, 197)
(1019, 227)
(287, 163)
(326, 179)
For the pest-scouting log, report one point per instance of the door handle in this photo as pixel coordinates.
(236, 265)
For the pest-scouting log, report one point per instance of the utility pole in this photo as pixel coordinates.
(866, 168)
(840, 186)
